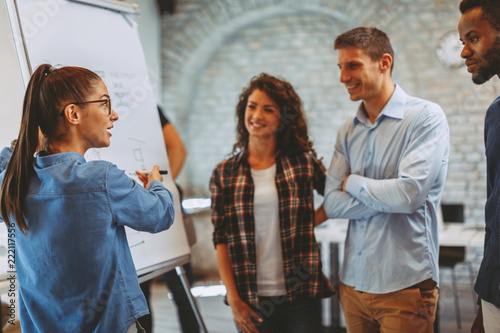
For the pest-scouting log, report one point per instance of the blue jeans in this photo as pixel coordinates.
(280, 316)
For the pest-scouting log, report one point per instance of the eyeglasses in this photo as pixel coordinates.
(106, 101)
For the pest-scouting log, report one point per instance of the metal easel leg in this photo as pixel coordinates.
(455, 295)
(182, 275)
(471, 279)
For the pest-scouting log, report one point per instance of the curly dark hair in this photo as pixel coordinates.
(292, 137)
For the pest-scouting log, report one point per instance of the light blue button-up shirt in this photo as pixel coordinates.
(74, 268)
(397, 169)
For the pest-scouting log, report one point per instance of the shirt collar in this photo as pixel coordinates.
(44, 161)
(393, 109)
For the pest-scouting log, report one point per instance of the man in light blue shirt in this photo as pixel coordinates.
(386, 176)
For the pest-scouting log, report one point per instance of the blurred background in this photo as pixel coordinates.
(202, 53)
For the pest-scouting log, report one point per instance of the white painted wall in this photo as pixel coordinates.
(11, 88)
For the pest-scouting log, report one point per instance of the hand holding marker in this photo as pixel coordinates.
(147, 172)
(147, 176)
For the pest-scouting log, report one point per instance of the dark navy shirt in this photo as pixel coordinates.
(488, 278)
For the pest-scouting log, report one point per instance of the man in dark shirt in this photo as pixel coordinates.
(479, 29)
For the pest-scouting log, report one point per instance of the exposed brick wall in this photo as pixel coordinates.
(211, 49)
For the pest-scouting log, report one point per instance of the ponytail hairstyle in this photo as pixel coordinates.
(292, 137)
(49, 90)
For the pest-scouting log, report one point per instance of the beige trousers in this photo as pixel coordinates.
(411, 310)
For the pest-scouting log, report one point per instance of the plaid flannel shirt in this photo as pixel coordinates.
(232, 192)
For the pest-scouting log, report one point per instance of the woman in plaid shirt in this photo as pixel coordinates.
(263, 214)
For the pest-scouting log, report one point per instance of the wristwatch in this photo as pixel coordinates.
(13, 144)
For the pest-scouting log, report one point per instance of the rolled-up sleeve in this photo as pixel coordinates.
(151, 210)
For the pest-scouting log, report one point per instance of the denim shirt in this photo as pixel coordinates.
(488, 277)
(74, 268)
(397, 169)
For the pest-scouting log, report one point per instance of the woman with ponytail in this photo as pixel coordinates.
(67, 216)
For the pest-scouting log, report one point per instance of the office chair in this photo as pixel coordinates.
(451, 256)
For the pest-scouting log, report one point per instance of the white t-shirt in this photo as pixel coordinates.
(270, 277)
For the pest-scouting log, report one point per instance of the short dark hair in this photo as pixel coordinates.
(373, 41)
(491, 10)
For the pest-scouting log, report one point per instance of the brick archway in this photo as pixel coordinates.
(181, 84)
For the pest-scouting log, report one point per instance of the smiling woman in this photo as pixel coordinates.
(73, 262)
(262, 117)
(278, 97)
(262, 209)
